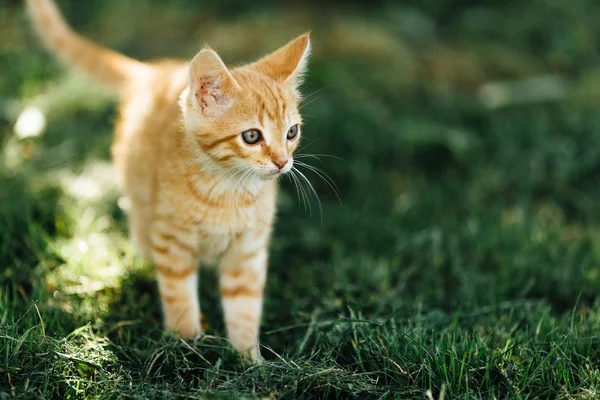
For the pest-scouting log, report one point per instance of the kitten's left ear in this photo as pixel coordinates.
(213, 88)
(288, 63)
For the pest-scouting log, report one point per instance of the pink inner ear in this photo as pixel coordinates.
(209, 93)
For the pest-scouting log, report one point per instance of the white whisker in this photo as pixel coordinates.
(301, 191)
(324, 176)
(241, 187)
(314, 192)
(305, 98)
(305, 145)
(238, 169)
(301, 106)
(318, 157)
(293, 179)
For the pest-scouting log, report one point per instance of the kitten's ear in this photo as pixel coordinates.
(212, 86)
(288, 63)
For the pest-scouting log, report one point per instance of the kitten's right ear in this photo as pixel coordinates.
(212, 86)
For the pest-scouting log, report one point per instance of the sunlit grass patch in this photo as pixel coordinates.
(73, 364)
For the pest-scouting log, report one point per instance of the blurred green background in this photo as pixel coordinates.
(462, 258)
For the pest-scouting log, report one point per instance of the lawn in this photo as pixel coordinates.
(461, 259)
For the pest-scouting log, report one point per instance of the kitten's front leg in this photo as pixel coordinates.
(177, 274)
(242, 281)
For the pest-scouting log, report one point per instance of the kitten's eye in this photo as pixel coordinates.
(293, 132)
(251, 136)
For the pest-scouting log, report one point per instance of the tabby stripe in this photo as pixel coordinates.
(281, 101)
(238, 151)
(170, 273)
(224, 158)
(272, 113)
(265, 110)
(236, 273)
(202, 197)
(160, 249)
(217, 142)
(247, 317)
(243, 334)
(240, 291)
(250, 256)
(171, 299)
(169, 221)
(246, 274)
(261, 116)
(233, 324)
(246, 199)
(173, 240)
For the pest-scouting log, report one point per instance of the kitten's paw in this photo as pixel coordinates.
(197, 338)
(251, 355)
(191, 332)
(259, 360)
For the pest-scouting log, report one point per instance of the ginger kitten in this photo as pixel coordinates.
(198, 148)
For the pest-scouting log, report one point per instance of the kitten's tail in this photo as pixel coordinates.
(108, 67)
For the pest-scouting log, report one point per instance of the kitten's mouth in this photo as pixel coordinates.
(272, 175)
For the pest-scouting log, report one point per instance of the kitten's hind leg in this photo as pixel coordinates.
(242, 282)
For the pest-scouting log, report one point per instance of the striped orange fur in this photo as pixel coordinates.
(200, 191)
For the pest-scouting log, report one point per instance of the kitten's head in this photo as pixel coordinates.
(247, 118)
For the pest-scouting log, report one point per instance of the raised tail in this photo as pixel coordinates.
(108, 67)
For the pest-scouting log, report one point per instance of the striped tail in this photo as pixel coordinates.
(108, 67)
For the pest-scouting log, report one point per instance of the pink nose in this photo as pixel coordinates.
(280, 163)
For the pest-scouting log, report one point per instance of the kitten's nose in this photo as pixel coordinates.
(280, 162)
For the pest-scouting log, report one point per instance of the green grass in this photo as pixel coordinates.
(463, 260)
